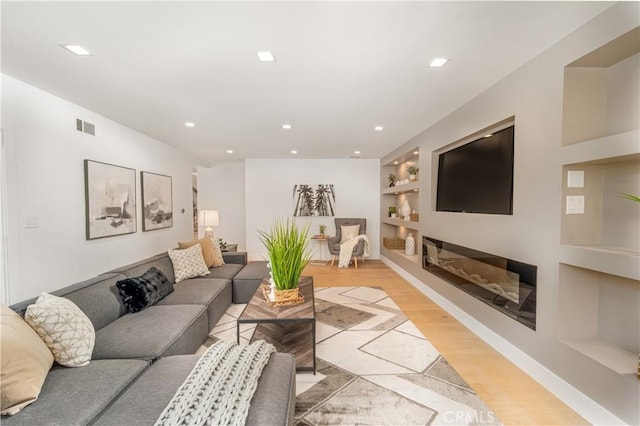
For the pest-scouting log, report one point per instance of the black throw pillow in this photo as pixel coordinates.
(141, 292)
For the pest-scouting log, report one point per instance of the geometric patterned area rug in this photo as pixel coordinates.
(374, 367)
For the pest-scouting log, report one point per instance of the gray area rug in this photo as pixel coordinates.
(374, 367)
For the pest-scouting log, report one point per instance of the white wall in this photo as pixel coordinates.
(533, 94)
(222, 188)
(269, 195)
(45, 178)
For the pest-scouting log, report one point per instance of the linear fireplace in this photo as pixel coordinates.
(505, 284)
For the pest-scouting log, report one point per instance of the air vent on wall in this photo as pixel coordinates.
(86, 127)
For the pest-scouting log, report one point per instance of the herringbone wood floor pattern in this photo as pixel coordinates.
(514, 396)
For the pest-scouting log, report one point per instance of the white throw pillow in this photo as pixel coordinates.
(64, 328)
(349, 232)
(188, 263)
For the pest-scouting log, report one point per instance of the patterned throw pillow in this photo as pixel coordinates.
(349, 232)
(26, 361)
(64, 328)
(139, 293)
(217, 251)
(188, 263)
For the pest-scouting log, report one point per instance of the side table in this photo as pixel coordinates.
(322, 241)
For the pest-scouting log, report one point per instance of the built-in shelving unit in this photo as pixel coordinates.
(599, 271)
(395, 196)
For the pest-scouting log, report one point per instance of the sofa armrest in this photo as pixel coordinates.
(239, 257)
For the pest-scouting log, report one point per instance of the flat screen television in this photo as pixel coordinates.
(477, 177)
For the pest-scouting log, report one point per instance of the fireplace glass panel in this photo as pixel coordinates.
(505, 284)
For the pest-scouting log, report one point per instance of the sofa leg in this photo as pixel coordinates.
(333, 258)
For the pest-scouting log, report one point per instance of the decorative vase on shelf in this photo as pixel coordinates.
(410, 245)
(406, 209)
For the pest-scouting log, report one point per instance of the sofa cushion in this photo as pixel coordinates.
(64, 328)
(184, 328)
(97, 297)
(227, 271)
(247, 281)
(75, 396)
(139, 293)
(26, 360)
(188, 263)
(161, 261)
(215, 294)
(144, 401)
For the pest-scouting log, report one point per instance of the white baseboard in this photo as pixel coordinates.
(579, 402)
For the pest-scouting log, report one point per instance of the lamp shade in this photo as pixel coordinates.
(209, 218)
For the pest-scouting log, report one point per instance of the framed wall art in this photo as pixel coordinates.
(157, 201)
(110, 200)
(314, 200)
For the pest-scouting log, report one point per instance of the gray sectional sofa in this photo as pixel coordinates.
(139, 360)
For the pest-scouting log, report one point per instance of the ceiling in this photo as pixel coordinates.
(341, 68)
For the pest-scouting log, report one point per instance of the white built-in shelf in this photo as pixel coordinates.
(415, 258)
(401, 189)
(401, 222)
(602, 150)
(607, 354)
(622, 262)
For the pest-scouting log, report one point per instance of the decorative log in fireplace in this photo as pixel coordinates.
(504, 284)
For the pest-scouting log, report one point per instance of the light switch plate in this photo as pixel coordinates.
(575, 179)
(575, 204)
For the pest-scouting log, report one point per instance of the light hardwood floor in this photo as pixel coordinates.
(515, 398)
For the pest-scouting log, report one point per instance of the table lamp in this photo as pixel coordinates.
(209, 219)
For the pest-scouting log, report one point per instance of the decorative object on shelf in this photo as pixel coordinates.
(414, 217)
(413, 171)
(110, 200)
(392, 180)
(393, 210)
(410, 246)
(393, 243)
(405, 210)
(157, 201)
(314, 200)
(323, 228)
(209, 219)
(288, 255)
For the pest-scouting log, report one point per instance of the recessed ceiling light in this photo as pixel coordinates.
(266, 56)
(378, 128)
(77, 50)
(488, 135)
(293, 151)
(395, 162)
(438, 62)
(229, 151)
(286, 126)
(356, 152)
(416, 152)
(190, 124)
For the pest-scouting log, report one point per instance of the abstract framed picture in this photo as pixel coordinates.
(110, 200)
(157, 201)
(314, 200)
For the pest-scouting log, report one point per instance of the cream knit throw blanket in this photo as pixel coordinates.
(346, 250)
(219, 388)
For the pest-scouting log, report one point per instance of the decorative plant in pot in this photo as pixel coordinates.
(288, 255)
(392, 179)
(323, 228)
(413, 171)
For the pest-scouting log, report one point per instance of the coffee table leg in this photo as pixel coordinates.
(238, 331)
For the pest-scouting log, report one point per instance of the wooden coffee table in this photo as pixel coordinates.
(291, 329)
